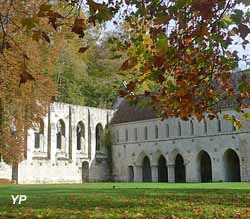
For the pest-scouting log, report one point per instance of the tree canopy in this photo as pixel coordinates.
(177, 54)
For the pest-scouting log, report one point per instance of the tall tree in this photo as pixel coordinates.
(182, 47)
(179, 46)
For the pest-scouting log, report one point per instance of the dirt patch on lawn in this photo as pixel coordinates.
(5, 182)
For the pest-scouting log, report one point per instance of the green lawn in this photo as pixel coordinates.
(134, 200)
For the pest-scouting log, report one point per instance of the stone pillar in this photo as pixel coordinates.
(30, 144)
(53, 142)
(137, 173)
(154, 171)
(74, 144)
(89, 139)
(171, 174)
(192, 172)
(70, 134)
(244, 159)
(218, 174)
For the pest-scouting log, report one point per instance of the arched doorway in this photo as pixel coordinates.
(146, 170)
(130, 173)
(85, 171)
(231, 163)
(162, 170)
(180, 170)
(205, 167)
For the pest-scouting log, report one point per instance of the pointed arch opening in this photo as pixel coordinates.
(60, 135)
(205, 126)
(205, 167)
(146, 170)
(98, 136)
(80, 132)
(156, 132)
(39, 135)
(167, 131)
(180, 169)
(85, 171)
(191, 127)
(130, 173)
(218, 125)
(162, 169)
(179, 129)
(231, 163)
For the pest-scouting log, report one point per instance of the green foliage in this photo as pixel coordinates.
(90, 79)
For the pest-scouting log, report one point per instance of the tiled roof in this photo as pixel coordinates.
(127, 112)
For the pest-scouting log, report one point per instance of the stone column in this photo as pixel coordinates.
(74, 144)
(192, 172)
(138, 173)
(244, 161)
(171, 174)
(30, 144)
(217, 169)
(154, 171)
(53, 142)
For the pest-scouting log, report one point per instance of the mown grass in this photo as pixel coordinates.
(128, 200)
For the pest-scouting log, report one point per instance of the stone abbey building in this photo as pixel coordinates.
(67, 147)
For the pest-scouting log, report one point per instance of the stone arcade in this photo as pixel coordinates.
(151, 150)
(67, 148)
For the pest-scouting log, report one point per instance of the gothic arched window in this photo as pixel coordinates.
(156, 132)
(167, 131)
(191, 127)
(98, 136)
(146, 133)
(80, 132)
(60, 135)
(39, 135)
(126, 135)
(179, 129)
(218, 125)
(205, 126)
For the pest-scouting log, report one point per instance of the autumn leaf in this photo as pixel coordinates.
(29, 22)
(237, 124)
(45, 37)
(128, 64)
(227, 117)
(83, 49)
(244, 30)
(79, 26)
(25, 77)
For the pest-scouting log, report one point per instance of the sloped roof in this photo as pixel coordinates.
(127, 112)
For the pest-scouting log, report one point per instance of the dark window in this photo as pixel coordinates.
(205, 126)
(117, 136)
(37, 140)
(156, 132)
(60, 133)
(126, 135)
(191, 127)
(219, 125)
(136, 136)
(99, 133)
(80, 134)
(146, 133)
(167, 131)
(179, 129)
